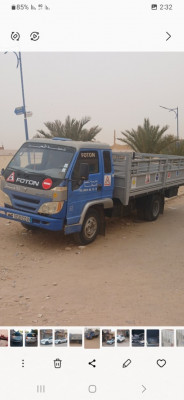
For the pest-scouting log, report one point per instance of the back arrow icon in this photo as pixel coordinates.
(143, 389)
(169, 36)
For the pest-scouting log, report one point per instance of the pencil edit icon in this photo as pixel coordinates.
(126, 363)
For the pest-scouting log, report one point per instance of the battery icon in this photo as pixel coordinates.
(154, 6)
(13, 7)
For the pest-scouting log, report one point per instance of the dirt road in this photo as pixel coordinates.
(132, 276)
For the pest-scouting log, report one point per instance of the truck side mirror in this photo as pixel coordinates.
(84, 171)
(2, 171)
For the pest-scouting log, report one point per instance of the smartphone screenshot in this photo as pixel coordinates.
(91, 200)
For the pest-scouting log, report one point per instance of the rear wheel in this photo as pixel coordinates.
(90, 228)
(153, 207)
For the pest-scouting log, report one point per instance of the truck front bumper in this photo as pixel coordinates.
(39, 221)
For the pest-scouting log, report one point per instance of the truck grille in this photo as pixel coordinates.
(31, 205)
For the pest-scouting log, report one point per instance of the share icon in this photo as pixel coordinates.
(92, 363)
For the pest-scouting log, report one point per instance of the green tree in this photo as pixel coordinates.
(148, 138)
(71, 129)
(176, 148)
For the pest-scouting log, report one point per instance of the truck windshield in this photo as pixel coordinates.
(42, 158)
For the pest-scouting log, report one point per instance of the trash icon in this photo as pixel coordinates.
(57, 363)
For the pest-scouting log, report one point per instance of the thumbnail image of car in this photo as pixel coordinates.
(138, 339)
(31, 338)
(108, 337)
(152, 342)
(110, 341)
(3, 338)
(60, 341)
(120, 338)
(16, 338)
(152, 337)
(46, 341)
(123, 337)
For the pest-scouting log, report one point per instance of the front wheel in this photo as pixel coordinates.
(90, 228)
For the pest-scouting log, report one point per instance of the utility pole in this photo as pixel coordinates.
(175, 110)
(22, 110)
(23, 95)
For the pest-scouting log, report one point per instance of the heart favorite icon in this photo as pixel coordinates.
(161, 363)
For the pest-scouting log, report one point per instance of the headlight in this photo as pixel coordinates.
(51, 208)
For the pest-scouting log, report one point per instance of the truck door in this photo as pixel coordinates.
(81, 192)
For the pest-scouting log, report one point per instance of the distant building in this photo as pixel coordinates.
(2, 147)
(60, 334)
(120, 147)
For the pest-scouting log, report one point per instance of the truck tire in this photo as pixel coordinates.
(153, 207)
(90, 228)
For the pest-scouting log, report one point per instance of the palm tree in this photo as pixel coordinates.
(71, 129)
(148, 138)
(176, 148)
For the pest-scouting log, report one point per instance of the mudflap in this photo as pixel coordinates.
(102, 220)
(162, 203)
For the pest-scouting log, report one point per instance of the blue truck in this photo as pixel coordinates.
(92, 334)
(64, 185)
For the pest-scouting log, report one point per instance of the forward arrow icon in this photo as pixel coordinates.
(144, 388)
(169, 36)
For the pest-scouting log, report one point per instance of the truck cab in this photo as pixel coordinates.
(59, 185)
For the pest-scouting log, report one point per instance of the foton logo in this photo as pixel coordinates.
(11, 177)
(27, 182)
(47, 183)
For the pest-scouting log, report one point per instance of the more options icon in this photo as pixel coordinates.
(35, 36)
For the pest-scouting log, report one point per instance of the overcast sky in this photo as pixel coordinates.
(117, 90)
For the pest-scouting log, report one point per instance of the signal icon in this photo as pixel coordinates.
(33, 7)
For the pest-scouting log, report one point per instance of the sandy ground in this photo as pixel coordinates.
(92, 343)
(132, 276)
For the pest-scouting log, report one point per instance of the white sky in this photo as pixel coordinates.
(117, 90)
